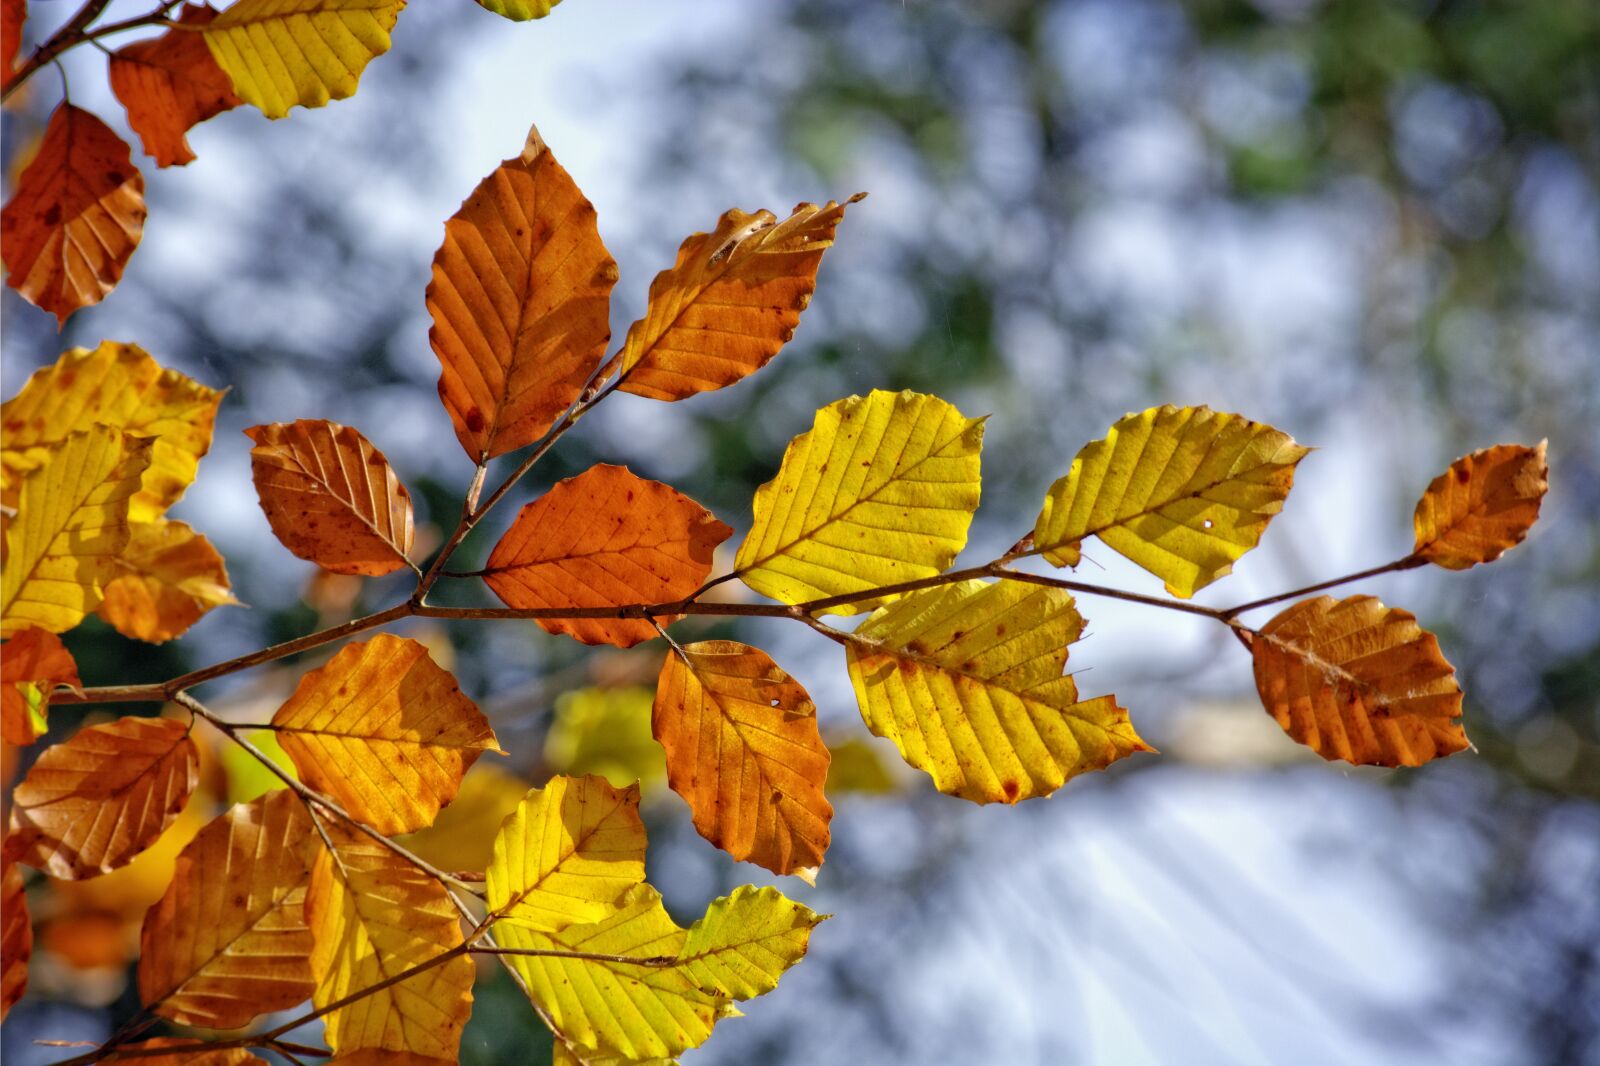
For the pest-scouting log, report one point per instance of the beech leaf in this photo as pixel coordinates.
(1482, 507)
(16, 936)
(519, 10)
(170, 576)
(170, 83)
(746, 941)
(233, 1056)
(33, 664)
(13, 13)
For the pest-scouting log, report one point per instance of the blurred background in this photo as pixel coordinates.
(1374, 224)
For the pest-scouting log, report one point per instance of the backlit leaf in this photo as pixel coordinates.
(606, 538)
(331, 497)
(169, 577)
(520, 300)
(746, 941)
(880, 490)
(385, 731)
(519, 10)
(462, 836)
(744, 751)
(170, 83)
(13, 13)
(1182, 491)
(233, 1056)
(1482, 506)
(228, 941)
(1352, 679)
(606, 731)
(76, 216)
(729, 303)
(92, 803)
(966, 679)
(16, 937)
(33, 664)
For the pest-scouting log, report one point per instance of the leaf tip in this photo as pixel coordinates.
(534, 146)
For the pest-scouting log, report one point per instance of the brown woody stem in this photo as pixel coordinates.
(75, 31)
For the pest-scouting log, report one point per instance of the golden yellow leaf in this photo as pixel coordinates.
(71, 525)
(1182, 491)
(385, 731)
(606, 731)
(1481, 507)
(462, 836)
(92, 803)
(729, 303)
(331, 497)
(1352, 679)
(857, 766)
(967, 680)
(117, 385)
(746, 941)
(228, 941)
(519, 10)
(744, 752)
(233, 1056)
(280, 53)
(170, 577)
(169, 83)
(520, 299)
(16, 937)
(880, 490)
(606, 538)
(33, 664)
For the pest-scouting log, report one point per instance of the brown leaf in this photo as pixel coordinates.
(228, 941)
(92, 803)
(13, 13)
(16, 937)
(76, 217)
(232, 1056)
(744, 752)
(171, 576)
(34, 663)
(1354, 680)
(1481, 507)
(520, 299)
(331, 497)
(169, 84)
(606, 538)
(729, 303)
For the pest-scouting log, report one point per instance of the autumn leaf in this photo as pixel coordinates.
(967, 680)
(385, 731)
(606, 731)
(519, 10)
(1481, 507)
(746, 941)
(880, 490)
(33, 664)
(13, 13)
(729, 303)
(170, 577)
(130, 1053)
(331, 497)
(606, 538)
(228, 941)
(1182, 491)
(280, 53)
(76, 216)
(520, 299)
(169, 84)
(1352, 679)
(92, 803)
(16, 937)
(71, 525)
(462, 836)
(744, 752)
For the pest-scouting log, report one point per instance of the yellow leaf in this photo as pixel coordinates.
(33, 664)
(519, 10)
(1182, 491)
(228, 941)
(880, 490)
(117, 385)
(247, 777)
(16, 937)
(606, 731)
(280, 53)
(966, 679)
(744, 752)
(729, 303)
(384, 731)
(565, 1056)
(1481, 507)
(856, 766)
(71, 524)
(746, 941)
(1354, 680)
(462, 836)
(170, 577)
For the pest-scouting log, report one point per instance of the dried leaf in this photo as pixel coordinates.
(170, 577)
(606, 538)
(92, 803)
(13, 13)
(169, 84)
(746, 941)
(233, 1056)
(33, 664)
(76, 217)
(16, 937)
(1482, 507)
(1354, 680)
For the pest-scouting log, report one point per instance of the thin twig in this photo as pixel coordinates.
(1408, 563)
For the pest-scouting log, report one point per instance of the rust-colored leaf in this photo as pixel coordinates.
(520, 300)
(232, 1056)
(92, 803)
(605, 538)
(169, 84)
(332, 498)
(1354, 680)
(33, 664)
(744, 751)
(76, 217)
(16, 937)
(13, 13)
(170, 577)
(1481, 507)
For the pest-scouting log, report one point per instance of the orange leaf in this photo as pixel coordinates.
(729, 303)
(744, 751)
(605, 538)
(76, 217)
(520, 300)
(1482, 506)
(13, 13)
(228, 941)
(169, 84)
(1354, 680)
(171, 576)
(332, 498)
(232, 1056)
(34, 663)
(16, 937)
(91, 804)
